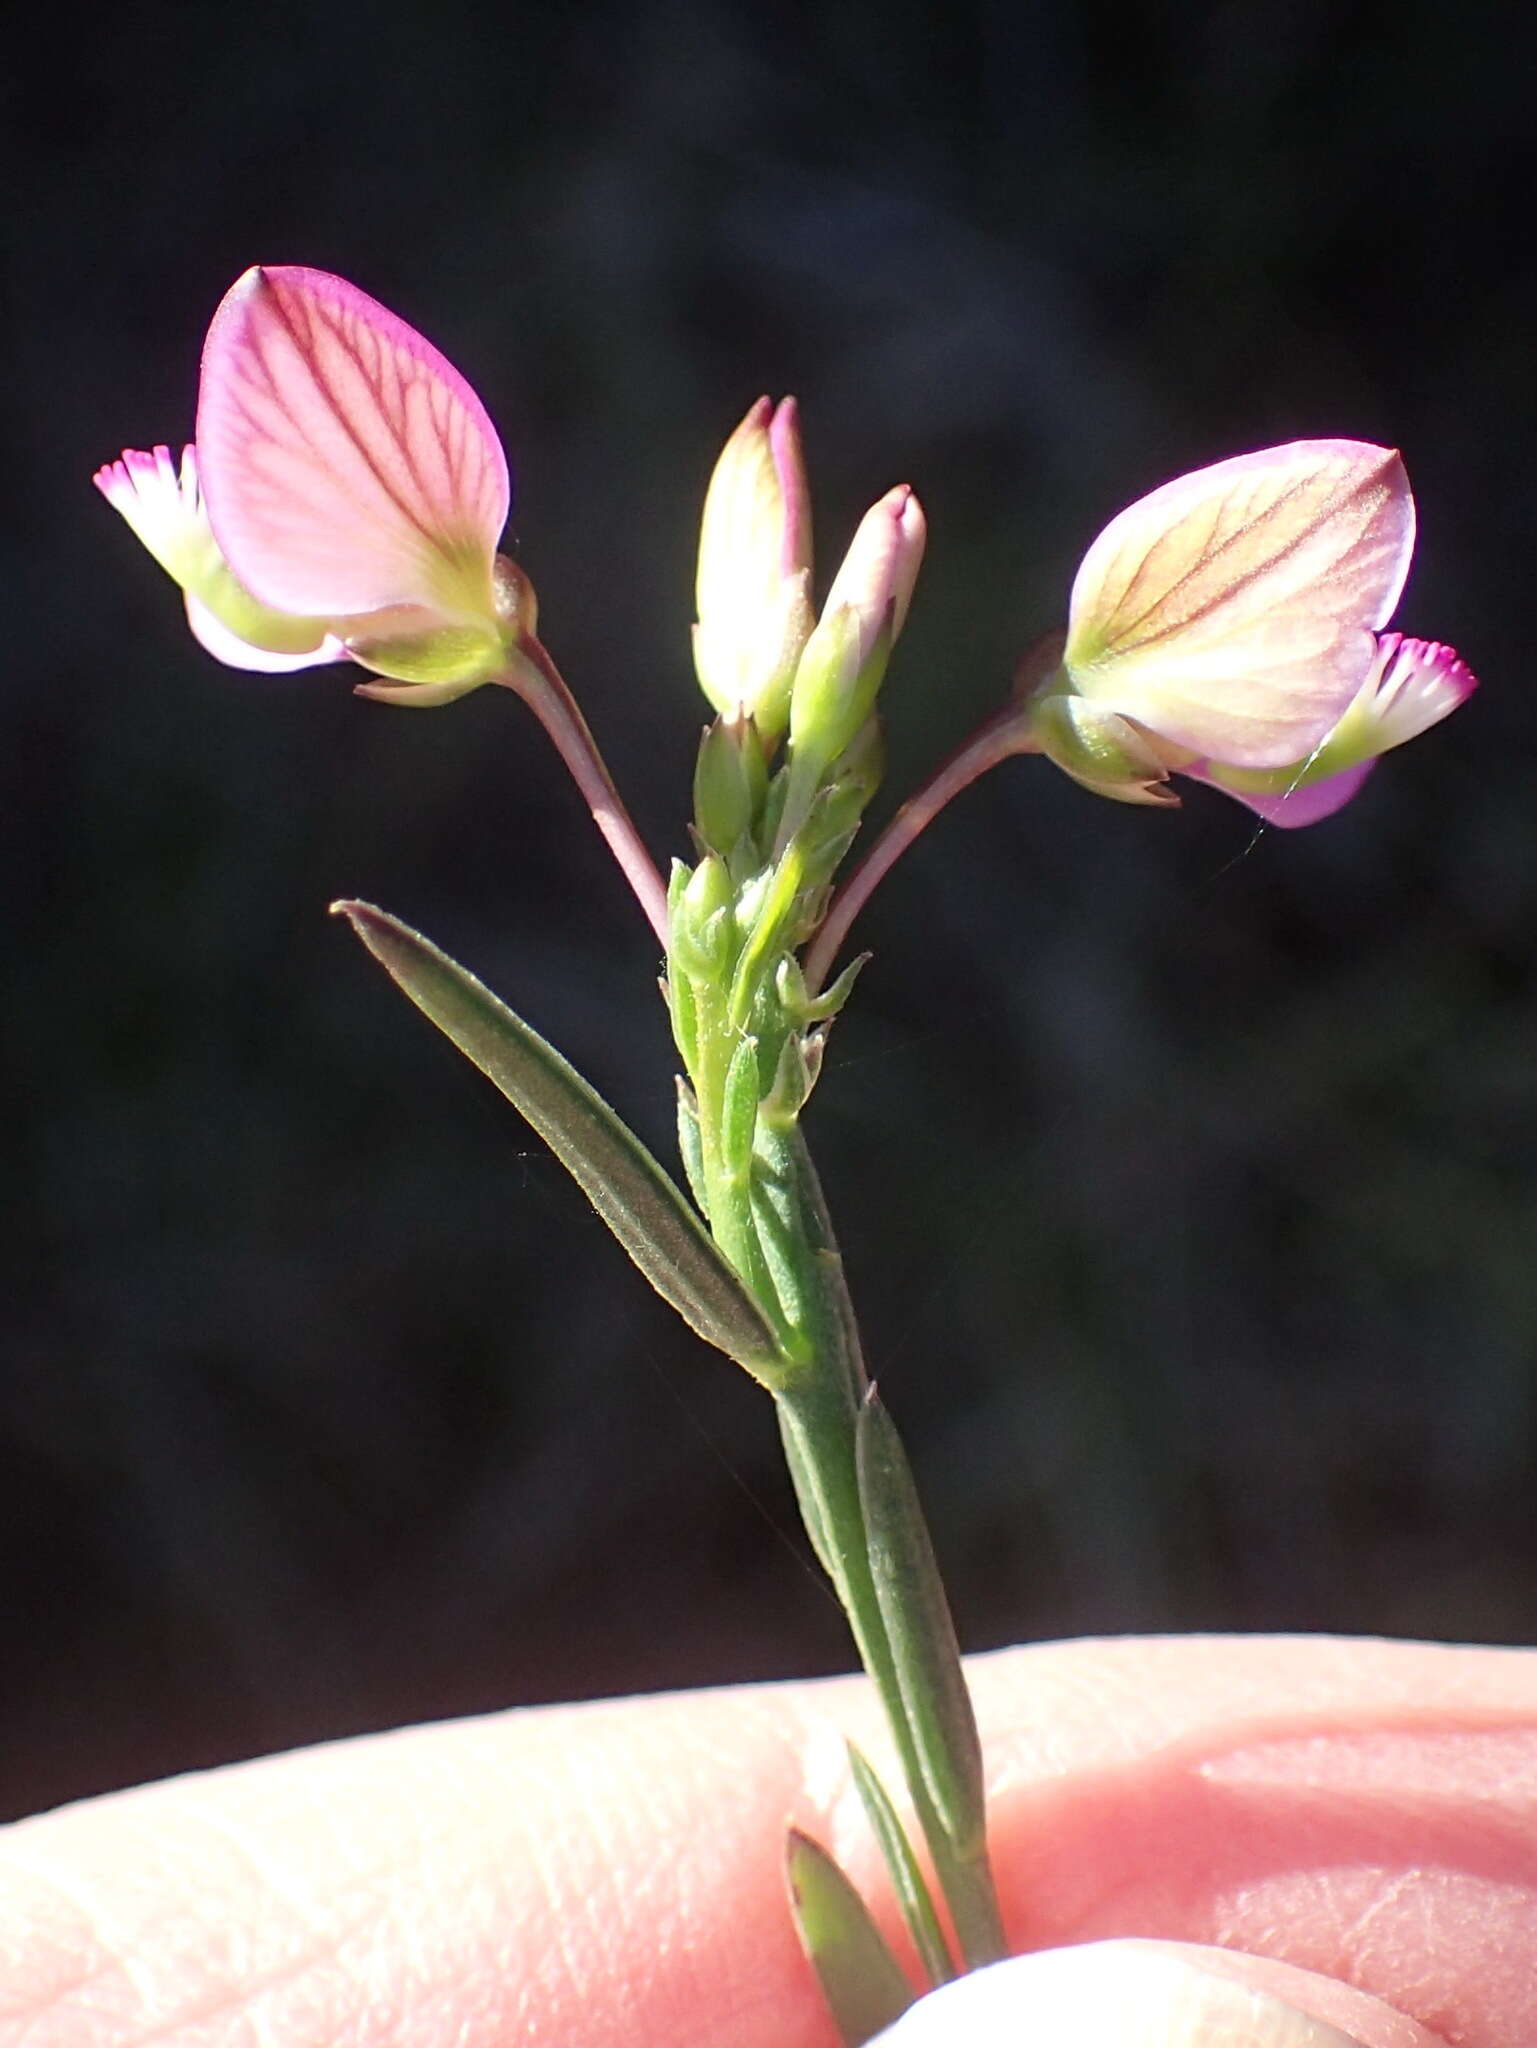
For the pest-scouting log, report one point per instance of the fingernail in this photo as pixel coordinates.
(1107, 1994)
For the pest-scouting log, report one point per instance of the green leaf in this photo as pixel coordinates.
(768, 929)
(640, 1204)
(907, 1879)
(919, 1628)
(808, 1496)
(691, 1146)
(862, 1981)
(739, 1111)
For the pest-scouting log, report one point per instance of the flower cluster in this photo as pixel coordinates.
(346, 492)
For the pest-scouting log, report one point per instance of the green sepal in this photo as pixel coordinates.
(907, 1879)
(821, 1009)
(864, 1984)
(730, 778)
(433, 667)
(791, 1087)
(638, 1201)
(916, 1613)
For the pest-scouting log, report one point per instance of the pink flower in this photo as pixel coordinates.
(1227, 627)
(345, 496)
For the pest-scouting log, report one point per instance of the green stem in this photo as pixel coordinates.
(818, 1411)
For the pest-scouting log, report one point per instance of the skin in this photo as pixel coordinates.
(601, 1875)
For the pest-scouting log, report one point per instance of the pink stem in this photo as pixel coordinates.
(535, 678)
(1002, 735)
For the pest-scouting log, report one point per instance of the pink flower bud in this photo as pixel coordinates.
(880, 569)
(845, 659)
(753, 585)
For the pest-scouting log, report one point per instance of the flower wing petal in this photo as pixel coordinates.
(216, 639)
(1305, 805)
(347, 466)
(1231, 611)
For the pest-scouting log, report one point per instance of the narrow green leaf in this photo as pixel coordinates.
(691, 1145)
(862, 1981)
(919, 1628)
(907, 1879)
(640, 1204)
(678, 992)
(739, 1110)
(808, 1497)
(766, 933)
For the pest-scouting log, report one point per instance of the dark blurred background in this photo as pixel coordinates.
(1187, 1177)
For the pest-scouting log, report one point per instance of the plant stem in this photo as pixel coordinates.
(1004, 734)
(534, 677)
(818, 1411)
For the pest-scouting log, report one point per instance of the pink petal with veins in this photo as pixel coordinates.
(1230, 611)
(346, 465)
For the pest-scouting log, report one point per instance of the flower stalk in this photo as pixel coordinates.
(532, 675)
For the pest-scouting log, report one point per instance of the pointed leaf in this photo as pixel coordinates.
(808, 1495)
(691, 1145)
(907, 1879)
(636, 1199)
(862, 1981)
(919, 1628)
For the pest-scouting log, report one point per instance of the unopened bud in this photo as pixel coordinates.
(753, 585)
(845, 659)
(702, 932)
(730, 778)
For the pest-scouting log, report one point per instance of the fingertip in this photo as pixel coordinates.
(1143, 1994)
